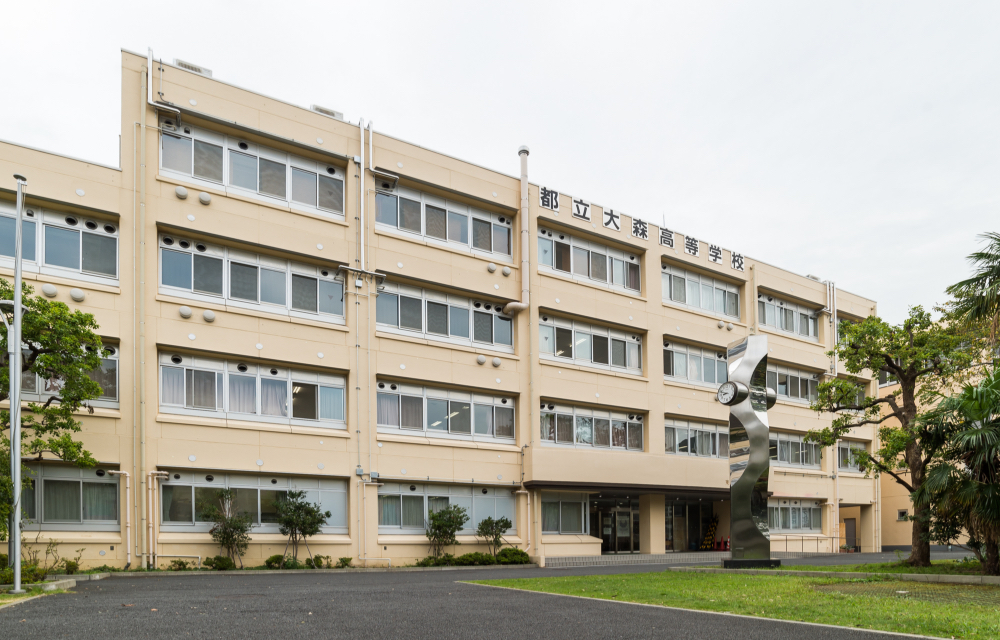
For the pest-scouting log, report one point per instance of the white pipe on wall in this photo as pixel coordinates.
(128, 516)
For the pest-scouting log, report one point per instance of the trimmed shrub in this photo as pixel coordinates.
(512, 555)
(178, 565)
(474, 559)
(220, 563)
(72, 566)
(274, 561)
(344, 563)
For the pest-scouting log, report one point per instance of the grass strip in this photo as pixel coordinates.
(941, 567)
(886, 606)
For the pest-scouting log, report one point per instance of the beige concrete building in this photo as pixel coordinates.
(296, 302)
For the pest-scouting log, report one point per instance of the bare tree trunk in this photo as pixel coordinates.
(991, 565)
(920, 542)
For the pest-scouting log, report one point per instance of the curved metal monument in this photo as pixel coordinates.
(748, 398)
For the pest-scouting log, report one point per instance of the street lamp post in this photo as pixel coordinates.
(14, 354)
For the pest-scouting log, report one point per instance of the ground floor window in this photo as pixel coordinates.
(564, 512)
(403, 507)
(68, 495)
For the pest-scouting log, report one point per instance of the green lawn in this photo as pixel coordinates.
(949, 567)
(960, 611)
(7, 598)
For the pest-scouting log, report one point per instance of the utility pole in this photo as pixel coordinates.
(14, 354)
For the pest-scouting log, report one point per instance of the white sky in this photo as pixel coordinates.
(856, 141)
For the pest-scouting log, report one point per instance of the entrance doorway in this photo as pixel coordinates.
(616, 523)
(851, 532)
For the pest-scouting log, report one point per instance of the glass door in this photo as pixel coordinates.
(623, 531)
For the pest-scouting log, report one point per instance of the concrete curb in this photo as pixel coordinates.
(79, 577)
(850, 575)
(271, 572)
(48, 585)
(22, 600)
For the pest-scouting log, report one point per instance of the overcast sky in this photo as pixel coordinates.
(857, 141)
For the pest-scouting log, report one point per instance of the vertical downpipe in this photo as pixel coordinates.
(141, 235)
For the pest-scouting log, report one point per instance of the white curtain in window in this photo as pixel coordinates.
(388, 511)
(274, 398)
(413, 511)
(388, 409)
(243, 394)
(550, 516)
(61, 501)
(331, 403)
(173, 385)
(100, 501)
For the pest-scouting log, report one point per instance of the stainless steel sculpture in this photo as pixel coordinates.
(748, 398)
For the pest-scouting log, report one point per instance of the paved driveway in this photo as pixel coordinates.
(362, 606)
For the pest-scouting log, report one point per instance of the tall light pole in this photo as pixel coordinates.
(14, 354)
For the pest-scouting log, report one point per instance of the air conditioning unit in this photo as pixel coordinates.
(329, 113)
(193, 68)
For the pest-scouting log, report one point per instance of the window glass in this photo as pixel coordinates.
(331, 194)
(411, 414)
(269, 499)
(331, 403)
(207, 275)
(546, 338)
(176, 153)
(100, 501)
(207, 161)
(437, 318)
(581, 262)
(61, 500)
(387, 309)
(176, 505)
(482, 326)
(481, 235)
(385, 209)
(618, 353)
(564, 342)
(388, 409)
(175, 269)
(272, 178)
(303, 293)
(410, 313)
(545, 251)
(571, 519)
(274, 397)
(633, 276)
(7, 232)
(242, 170)
(459, 322)
(304, 187)
(409, 215)
(564, 428)
(172, 380)
(461, 417)
(304, 401)
(583, 346)
(601, 349)
(242, 394)
(100, 254)
(437, 222)
(483, 419)
(504, 422)
(272, 286)
(242, 282)
(617, 271)
(199, 389)
(501, 239)
(437, 414)
(502, 330)
(602, 432)
(62, 247)
(331, 297)
(562, 256)
(106, 376)
(389, 511)
(599, 267)
(550, 516)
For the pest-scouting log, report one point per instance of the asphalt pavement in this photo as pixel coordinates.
(375, 605)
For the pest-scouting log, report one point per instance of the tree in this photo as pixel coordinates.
(60, 346)
(230, 529)
(298, 520)
(925, 357)
(977, 299)
(493, 532)
(442, 526)
(963, 487)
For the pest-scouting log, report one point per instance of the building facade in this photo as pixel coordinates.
(295, 302)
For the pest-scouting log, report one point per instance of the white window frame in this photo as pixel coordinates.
(634, 424)
(547, 262)
(549, 327)
(497, 221)
(680, 352)
(776, 372)
(223, 369)
(41, 393)
(44, 218)
(229, 257)
(560, 498)
(849, 446)
(676, 282)
(783, 455)
(479, 501)
(230, 144)
(769, 314)
(316, 487)
(427, 297)
(779, 512)
(39, 474)
(388, 388)
(678, 434)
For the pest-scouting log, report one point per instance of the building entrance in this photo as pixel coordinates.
(616, 523)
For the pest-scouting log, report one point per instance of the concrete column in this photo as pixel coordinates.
(866, 529)
(652, 523)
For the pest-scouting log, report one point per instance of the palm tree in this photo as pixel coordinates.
(963, 488)
(977, 299)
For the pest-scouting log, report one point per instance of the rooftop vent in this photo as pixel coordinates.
(193, 68)
(330, 113)
(812, 277)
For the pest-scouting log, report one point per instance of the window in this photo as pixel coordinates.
(691, 364)
(788, 449)
(588, 260)
(902, 515)
(209, 272)
(208, 156)
(787, 316)
(794, 515)
(68, 496)
(581, 427)
(564, 512)
(589, 345)
(246, 390)
(690, 289)
(441, 220)
(186, 496)
(36, 388)
(440, 316)
(437, 412)
(885, 378)
(682, 437)
(792, 384)
(847, 455)
(403, 506)
(70, 245)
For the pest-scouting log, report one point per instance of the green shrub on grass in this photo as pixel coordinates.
(344, 563)
(512, 555)
(475, 559)
(220, 563)
(274, 561)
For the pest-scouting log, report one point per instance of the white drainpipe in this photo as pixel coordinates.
(128, 515)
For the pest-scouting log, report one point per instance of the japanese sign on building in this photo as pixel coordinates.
(737, 262)
(666, 237)
(640, 229)
(691, 246)
(581, 210)
(612, 220)
(548, 199)
(715, 253)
